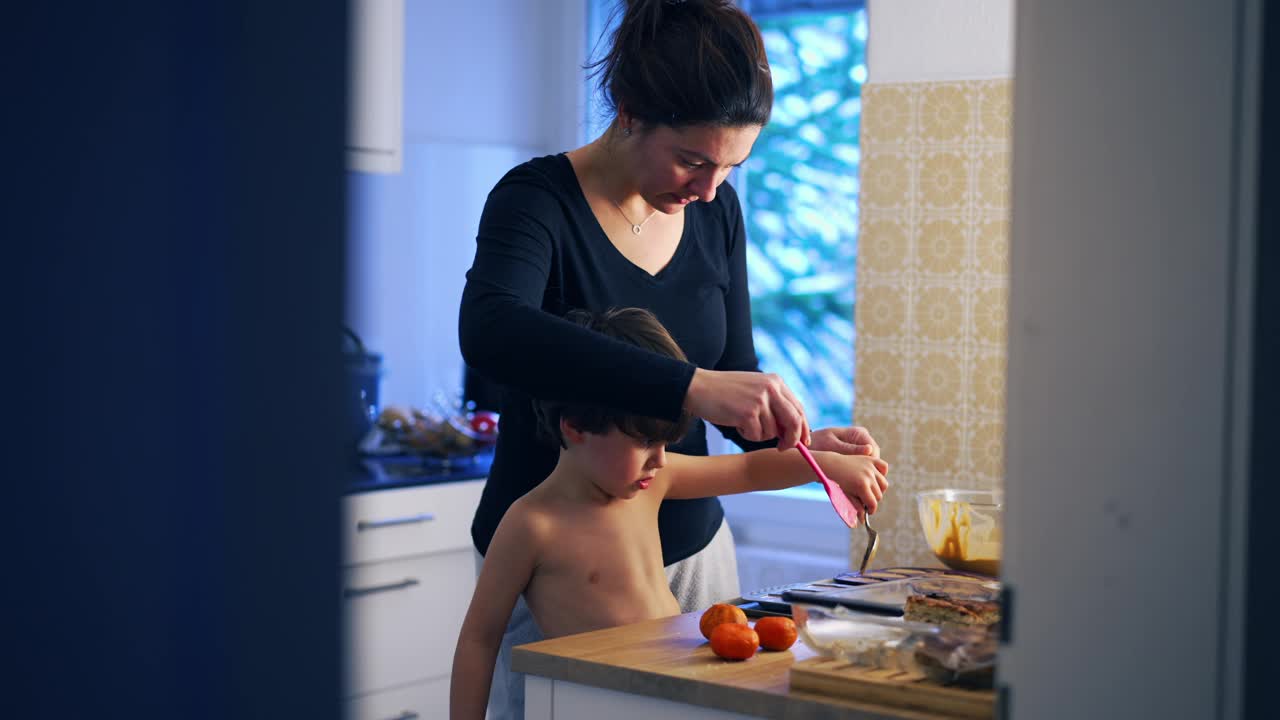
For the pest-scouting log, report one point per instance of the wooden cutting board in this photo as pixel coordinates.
(669, 659)
(892, 688)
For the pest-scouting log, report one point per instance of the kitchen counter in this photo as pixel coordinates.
(665, 667)
(401, 471)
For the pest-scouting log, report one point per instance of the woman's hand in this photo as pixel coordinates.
(861, 477)
(759, 405)
(854, 440)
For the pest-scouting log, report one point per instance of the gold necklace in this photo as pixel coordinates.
(634, 227)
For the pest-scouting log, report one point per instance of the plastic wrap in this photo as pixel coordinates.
(864, 625)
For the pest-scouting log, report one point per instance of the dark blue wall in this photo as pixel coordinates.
(173, 269)
(1262, 635)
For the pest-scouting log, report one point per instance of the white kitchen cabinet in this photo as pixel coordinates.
(547, 699)
(407, 579)
(403, 618)
(387, 524)
(421, 701)
(375, 132)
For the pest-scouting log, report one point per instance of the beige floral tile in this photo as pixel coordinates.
(881, 311)
(993, 181)
(882, 244)
(884, 377)
(892, 120)
(939, 314)
(886, 181)
(942, 247)
(989, 382)
(986, 448)
(995, 112)
(890, 432)
(991, 315)
(945, 113)
(938, 380)
(936, 442)
(944, 180)
(932, 306)
(991, 247)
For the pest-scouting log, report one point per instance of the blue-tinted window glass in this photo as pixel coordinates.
(800, 191)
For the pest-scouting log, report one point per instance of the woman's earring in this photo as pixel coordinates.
(626, 131)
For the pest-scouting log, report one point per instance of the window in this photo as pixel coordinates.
(800, 197)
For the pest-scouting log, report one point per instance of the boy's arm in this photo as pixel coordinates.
(504, 574)
(862, 477)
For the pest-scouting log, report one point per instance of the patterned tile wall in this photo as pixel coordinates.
(932, 294)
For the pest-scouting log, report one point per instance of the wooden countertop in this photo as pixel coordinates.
(668, 658)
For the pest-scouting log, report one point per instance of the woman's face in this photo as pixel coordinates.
(680, 166)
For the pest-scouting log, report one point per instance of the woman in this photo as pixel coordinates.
(640, 217)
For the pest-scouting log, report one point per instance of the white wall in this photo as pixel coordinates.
(488, 85)
(494, 71)
(928, 40)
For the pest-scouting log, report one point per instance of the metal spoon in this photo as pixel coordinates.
(844, 508)
(873, 542)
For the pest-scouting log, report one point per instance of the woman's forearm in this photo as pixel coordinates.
(524, 347)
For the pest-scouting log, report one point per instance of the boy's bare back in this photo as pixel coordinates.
(597, 564)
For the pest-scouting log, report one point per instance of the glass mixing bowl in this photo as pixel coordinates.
(964, 528)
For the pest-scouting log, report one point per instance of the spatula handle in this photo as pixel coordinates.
(808, 457)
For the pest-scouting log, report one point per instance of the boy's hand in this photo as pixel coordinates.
(861, 477)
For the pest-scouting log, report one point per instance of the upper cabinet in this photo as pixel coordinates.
(375, 140)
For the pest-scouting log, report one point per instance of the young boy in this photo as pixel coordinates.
(583, 545)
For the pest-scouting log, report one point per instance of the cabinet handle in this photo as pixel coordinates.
(376, 151)
(358, 592)
(406, 715)
(408, 520)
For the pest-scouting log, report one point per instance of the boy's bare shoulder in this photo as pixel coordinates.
(530, 518)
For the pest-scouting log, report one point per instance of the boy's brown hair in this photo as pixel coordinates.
(635, 326)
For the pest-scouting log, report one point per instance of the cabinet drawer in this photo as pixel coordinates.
(410, 521)
(422, 701)
(402, 618)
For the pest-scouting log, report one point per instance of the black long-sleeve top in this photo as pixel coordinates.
(540, 253)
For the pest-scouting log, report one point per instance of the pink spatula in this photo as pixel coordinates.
(844, 507)
(841, 502)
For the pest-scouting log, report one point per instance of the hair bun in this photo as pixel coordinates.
(686, 62)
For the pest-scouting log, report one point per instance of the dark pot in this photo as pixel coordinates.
(363, 371)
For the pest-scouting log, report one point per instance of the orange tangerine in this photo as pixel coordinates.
(718, 614)
(733, 641)
(776, 633)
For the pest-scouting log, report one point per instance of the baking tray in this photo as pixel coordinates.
(889, 598)
(770, 600)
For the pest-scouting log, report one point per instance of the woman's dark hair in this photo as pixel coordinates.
(686, 62)
(634, 326)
